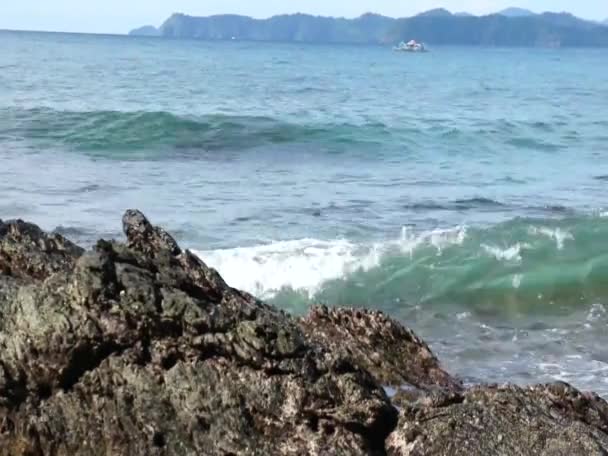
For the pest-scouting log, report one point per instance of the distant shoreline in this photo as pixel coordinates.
(225, 41)
(56, 32)
(510, 28)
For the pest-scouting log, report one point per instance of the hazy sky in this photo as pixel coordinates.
(119, 16)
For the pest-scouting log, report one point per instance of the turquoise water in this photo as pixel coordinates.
(462, 191)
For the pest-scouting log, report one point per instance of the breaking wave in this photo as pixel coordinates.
(522, 266)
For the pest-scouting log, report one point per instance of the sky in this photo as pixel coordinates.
(120, 16)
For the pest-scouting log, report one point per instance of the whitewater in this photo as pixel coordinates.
(515, 261)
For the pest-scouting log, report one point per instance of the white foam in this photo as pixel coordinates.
(517, 278)
(558, 235)
(512, 253)
(300, 264)
(596, 312)
(306, 264)
(463, 316)
(439, 239)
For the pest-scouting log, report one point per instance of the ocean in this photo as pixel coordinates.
(462, 191)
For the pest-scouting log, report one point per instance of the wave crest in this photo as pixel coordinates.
(118, 134)
(518, 266)
(116, 131)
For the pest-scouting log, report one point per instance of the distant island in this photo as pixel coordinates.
(146, 30)
(510, 27)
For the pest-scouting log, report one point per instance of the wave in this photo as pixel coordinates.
(122, 134)
(534, 143)
(521, 266)
(456, 205)
(481, 204)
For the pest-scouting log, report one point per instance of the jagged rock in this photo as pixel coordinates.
(146, 238)
(27, 252)
(542, 420)
(393, 354)
(141, 349)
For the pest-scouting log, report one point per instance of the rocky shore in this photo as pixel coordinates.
(139, 348)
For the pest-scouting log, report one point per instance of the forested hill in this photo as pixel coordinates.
(432, 27)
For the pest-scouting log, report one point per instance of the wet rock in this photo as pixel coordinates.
(393, 354)
(554, 419)
(141, 349)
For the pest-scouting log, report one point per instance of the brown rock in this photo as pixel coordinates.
(542, 420)
(141, 349)
(27, 252)
(393, 354)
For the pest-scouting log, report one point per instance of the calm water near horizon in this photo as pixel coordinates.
(462, 191)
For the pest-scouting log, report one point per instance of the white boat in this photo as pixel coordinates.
(410, 46)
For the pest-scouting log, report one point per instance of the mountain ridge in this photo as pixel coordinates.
(516, 12)
(438, 26)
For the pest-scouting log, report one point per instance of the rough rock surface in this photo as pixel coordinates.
(27, 252)
(141, 349)
(393, 354)
(547, 420)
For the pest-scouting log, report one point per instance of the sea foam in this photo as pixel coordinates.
(306, 264)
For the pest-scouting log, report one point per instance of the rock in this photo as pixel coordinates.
(141, 349)
(27, 252)
(554, 419)
(393, 354)
(144, 237)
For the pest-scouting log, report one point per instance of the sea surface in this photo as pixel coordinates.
(463, 191)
